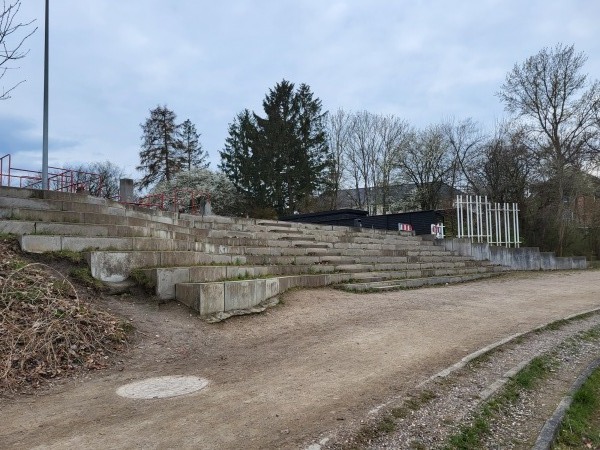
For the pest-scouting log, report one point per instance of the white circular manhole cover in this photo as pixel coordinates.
(162, 387)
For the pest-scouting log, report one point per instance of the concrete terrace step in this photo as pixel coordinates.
(41, 243)
(164, 279)
(416, 282)
(216, 297)
(116, 266)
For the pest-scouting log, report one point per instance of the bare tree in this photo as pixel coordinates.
(559, 107)
(338, 134)
(394, 137)
(465, 139)
(17, 32)
(506, 170)
(428, 162)
(373, 146)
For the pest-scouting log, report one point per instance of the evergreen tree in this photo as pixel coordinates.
(191, 147)
(161, 155)
(281, 159)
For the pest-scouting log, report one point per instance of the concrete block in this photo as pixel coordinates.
(116, 266)
(79, 243)
(188, 294)
(154, 244)
(313, 280)
(547, 261)
(288, 282)
(525, 258)
(239, 294)
(211, 299)
(6, 191)
(239, 272)
(207, 273)
(40, 244)
(271, 287)
(72, 229)
(17, 227)
(578, 262)
(29, 203)
(480, 251)
(260, 291)
(166, 279)
(562, 263)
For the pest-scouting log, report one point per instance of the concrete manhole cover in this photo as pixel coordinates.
(162, 387)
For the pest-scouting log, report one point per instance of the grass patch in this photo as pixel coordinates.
(581, 425)
(84, 276)
(143, 280)
(415, 403)
(66, 255)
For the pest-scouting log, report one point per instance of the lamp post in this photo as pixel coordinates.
(45, 132)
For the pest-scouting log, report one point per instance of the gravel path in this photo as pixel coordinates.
(315, 368)
(436, 411)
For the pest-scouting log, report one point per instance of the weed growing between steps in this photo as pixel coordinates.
(143, 280)
(65, 255)
(46, 330)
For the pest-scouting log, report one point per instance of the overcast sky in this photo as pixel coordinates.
(111, 61)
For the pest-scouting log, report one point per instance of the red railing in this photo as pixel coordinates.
(188, 201)
(178, 200)
(59, 179)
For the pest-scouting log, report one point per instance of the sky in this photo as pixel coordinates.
(112, 61)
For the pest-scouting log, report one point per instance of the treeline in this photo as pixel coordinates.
(295, 157)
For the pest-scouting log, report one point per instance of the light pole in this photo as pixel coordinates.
(45, 132)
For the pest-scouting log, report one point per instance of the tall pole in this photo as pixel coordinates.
(45, 144)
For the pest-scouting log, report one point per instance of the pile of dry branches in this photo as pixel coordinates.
(45, 330)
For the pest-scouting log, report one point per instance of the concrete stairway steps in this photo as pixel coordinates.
(35, 243)
(215, 264)
(415, 282)
(164, 279)
(217, 297)
(116, 266)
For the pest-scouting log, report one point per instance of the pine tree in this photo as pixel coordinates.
(191, 147)
(279, 160)
(161, 155)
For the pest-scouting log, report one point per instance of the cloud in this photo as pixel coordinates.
(113, 61)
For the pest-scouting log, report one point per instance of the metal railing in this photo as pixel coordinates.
(59, 179)
(484, 221)
(187, 201)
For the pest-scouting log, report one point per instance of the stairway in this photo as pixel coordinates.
(217, 264)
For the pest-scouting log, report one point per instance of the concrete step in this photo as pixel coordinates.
(216, 297)
(35, 243)
(221, 296)
(115, 266)
(380, 286)
(164, 279)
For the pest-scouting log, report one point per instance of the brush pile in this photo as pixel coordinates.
(46, 331)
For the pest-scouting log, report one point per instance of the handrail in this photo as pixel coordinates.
(60, 179)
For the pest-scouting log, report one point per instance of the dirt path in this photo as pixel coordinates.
(287, 377)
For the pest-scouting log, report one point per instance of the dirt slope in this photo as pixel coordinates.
(290, 376)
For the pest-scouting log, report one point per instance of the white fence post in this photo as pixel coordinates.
(484, 221)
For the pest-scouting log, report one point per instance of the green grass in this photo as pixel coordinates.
(84, 276)
(143, 280)
(470, 436)
(581, 425)
(66, 255)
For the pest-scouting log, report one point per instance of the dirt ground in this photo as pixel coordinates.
(292, 375)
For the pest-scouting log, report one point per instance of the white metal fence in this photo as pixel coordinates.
(484, 221)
